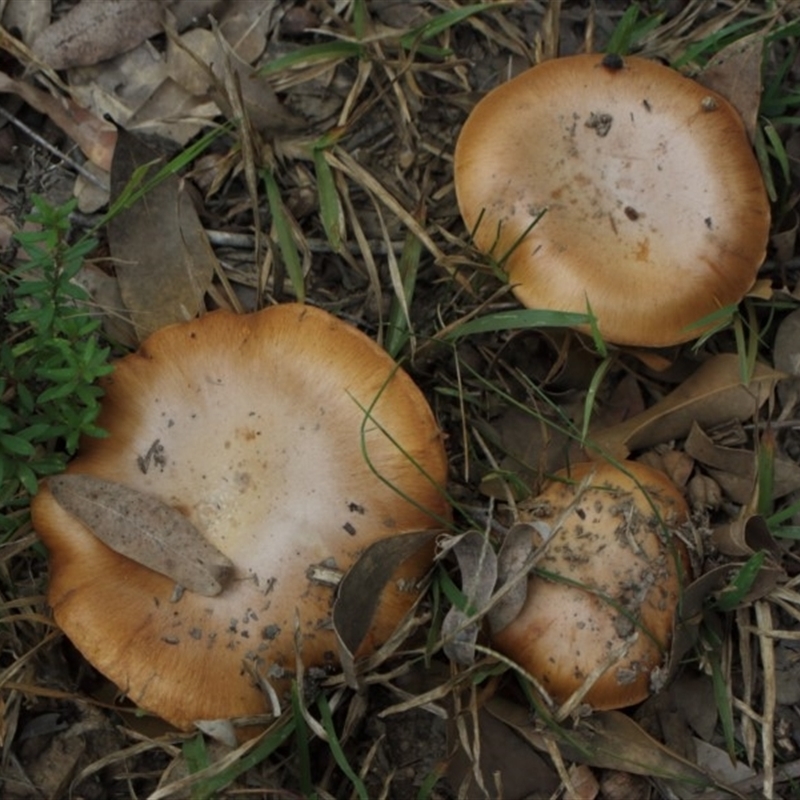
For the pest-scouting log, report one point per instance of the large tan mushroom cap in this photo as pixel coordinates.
(260, 418)
(615, 584)
(655, 211)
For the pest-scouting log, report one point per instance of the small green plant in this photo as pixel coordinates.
(50, 358)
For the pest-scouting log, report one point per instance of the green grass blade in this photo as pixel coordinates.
(620, 41)
(722, 700)
(313, 54)
(208, 787)
(781, 516)
(442, 22)
(766, 473)
(630, 30)
(594, 328)
(330, 206)
(360, 18)
(453, 593)
(777, 150)
(399, 325)
(196, 755)
(762, 154)
(591, 396)
(734, 594)
(787, 532)
(520, 319)
(715, 41)
(427, 786)
(283, 230)
(336, 748)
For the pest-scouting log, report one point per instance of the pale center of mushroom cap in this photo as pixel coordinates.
(267, 487)
(630, 186)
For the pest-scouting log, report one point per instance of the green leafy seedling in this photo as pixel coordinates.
(50, 359)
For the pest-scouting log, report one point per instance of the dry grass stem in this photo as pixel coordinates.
(763, 612)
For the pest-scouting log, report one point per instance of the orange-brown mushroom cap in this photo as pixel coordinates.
(608, 586)
(291, 441)
(653, 208)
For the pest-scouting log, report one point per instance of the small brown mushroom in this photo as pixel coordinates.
(622, 187)
(291, 441)
(607, 588)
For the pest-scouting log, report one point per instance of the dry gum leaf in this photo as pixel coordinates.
(735, 72)
(684, 719)
(91, 32)
(513, 567)
(499, 757)
(786, 357)
(607, 739)
(786, 351)
(359, 591)
(142, 528)
(95, 137)
(169, 94)
(103, 289)
(477, 565)
(532, 448)
(697, 595)
(744, 537)
(137, 90)
(26, 17)
(164, 262)
(713, 394)
(735, 469)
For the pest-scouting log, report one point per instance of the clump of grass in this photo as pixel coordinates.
(50, 359)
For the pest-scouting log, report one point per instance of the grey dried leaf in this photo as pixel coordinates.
(477, 564)
(359, 592)
(513, 567)
(735, 72)
(144, 529)
(164, 262)
(92, 32)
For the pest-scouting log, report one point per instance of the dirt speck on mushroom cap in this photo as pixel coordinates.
(652, 204)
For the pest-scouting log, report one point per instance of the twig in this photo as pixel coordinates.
(766, 645)
(244, 241)
(53, 150)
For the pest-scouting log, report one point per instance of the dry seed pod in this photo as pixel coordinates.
(610, 581)
(704, 493)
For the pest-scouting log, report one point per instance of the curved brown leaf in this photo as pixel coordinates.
(163, 260)
(608, 739)
(359, 591)
(92, 32)
(477, 564)
(144, 529)
(713, 394)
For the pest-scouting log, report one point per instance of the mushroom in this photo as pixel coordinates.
(618, 186)
(602, 602)
(291, 441)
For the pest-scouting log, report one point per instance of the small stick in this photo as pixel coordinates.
(51, 149)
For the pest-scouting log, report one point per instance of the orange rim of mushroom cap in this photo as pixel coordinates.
(260, 420)
(614, 585)
(653, 208)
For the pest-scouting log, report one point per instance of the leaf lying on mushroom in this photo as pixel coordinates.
(146, 530)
